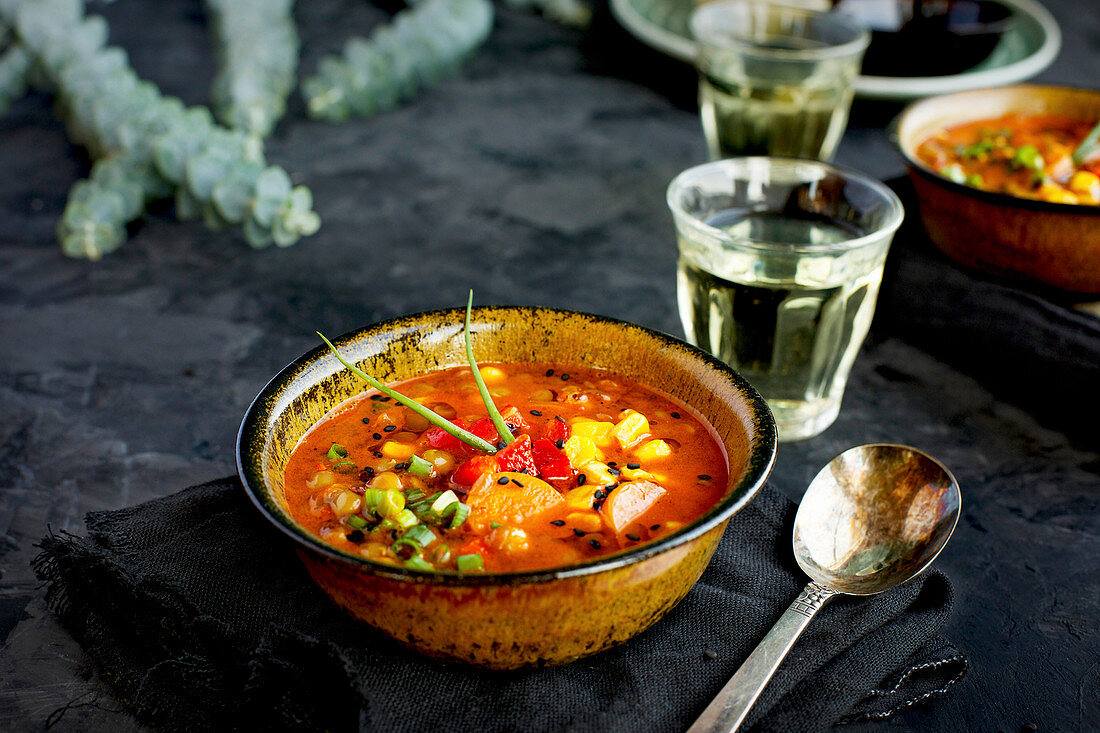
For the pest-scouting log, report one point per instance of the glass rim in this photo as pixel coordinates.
(709, 38)
(894, 218)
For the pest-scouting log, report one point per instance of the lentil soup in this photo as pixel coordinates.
(598, 464)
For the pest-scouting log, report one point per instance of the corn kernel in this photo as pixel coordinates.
(442, 460)
(598, 473)
(388, 481)
(581, 450)
(500, 391)
(492, 374)
(652, 450)
(400, 451)
(581, 497)
(598, 432)
(346, 502)
(321, 480)
(585, 521)
(1083, 182)
(632, 428)
(374, 549)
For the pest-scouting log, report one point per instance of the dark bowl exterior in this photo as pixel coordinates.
(515, 619)
(1016, 238)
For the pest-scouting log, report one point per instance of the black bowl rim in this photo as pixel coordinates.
(760, 462)
(990, 197)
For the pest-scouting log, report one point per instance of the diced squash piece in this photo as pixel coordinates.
(585, 521)
(523, 498)
(581, 450)
(636, 474)
(652, 450)
(598, 473)
(581, 497)
(399, 451)
(388, 481)
(631, 428)
(628, 502)
(490, 374)
(598, 432)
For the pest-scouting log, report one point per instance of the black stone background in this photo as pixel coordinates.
(536, 177)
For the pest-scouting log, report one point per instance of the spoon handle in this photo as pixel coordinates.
(730, 708)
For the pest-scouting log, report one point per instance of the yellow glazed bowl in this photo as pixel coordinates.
(509, 620)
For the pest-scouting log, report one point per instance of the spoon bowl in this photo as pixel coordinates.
(875, 516)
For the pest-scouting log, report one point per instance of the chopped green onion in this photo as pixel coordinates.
(1088, 147)
(372, 497)
(421, 535)
(393, 502)
(464, 435)
(448, 511)
(418, 563)
(345, 467)
(356, 521)
(413, 495)
(502, 430)
(427, 516)
(495, 525)
(388, 524)
(468, 563)
(461, 513)
(975, 180)
(420, 467)
(444, 500)
(1028, 156)
(336, 452)
(954, 172)
(406, 519)
(398, 549)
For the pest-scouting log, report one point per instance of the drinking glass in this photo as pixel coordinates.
(780, 264)
(773, 79)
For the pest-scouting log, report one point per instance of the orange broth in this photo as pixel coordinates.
(1021, 155)
(599, 464)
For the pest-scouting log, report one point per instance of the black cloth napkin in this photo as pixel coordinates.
(200, 616)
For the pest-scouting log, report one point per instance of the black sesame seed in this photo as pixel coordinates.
(676, 415)
(522, 470)
(379, 397)
(558, 522)
(536, 413)
(614, 472)
(366, 473)
(599, 495)
(559, 443)
(502, 480)
(501, 445)
(654, 526)
(565, 377)
(595, 544)
(597, 505)
(517, 483)
(400, 466)
(609, 487)
(378, 454)
(612, 464)
(377, 436)
(579, 532)
(510, 426)
(581, 478)
(704, 477)
(357, 536)
(389, 428)
(393, 534)
(549, 372)
(366, 421)
(633, 466)
(633, 537)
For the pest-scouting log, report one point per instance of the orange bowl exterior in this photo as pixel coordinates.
(521, 619)
(1023, 239)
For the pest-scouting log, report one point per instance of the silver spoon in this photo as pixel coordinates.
(874, 517)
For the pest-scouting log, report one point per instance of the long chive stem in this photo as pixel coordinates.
(1088, 146)
(494, 414)
(464, 435)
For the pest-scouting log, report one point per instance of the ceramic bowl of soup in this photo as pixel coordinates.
(631, 452)
(997, 186)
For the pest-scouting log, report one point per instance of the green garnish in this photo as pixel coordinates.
(438, 420)
(495, 525)
(356, 521)
(406, 519)
(371, 497)
(421, 535)
(1028, 156)
(953, 172)
(345, 467)
(467, 563)
(418, 563)
(502, 430)
(336, 452)
(1088, 147)
(420, 467)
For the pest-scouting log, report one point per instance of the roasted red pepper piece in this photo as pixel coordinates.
(552, 464)
(557, 430)
(470, 471)
(485, 430)
(517, 456)
(513, 417)
(440, 439)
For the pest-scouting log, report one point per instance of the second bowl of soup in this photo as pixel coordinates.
(629, 453)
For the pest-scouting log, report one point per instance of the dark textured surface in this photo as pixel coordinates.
(537, 177)
(186, 655)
